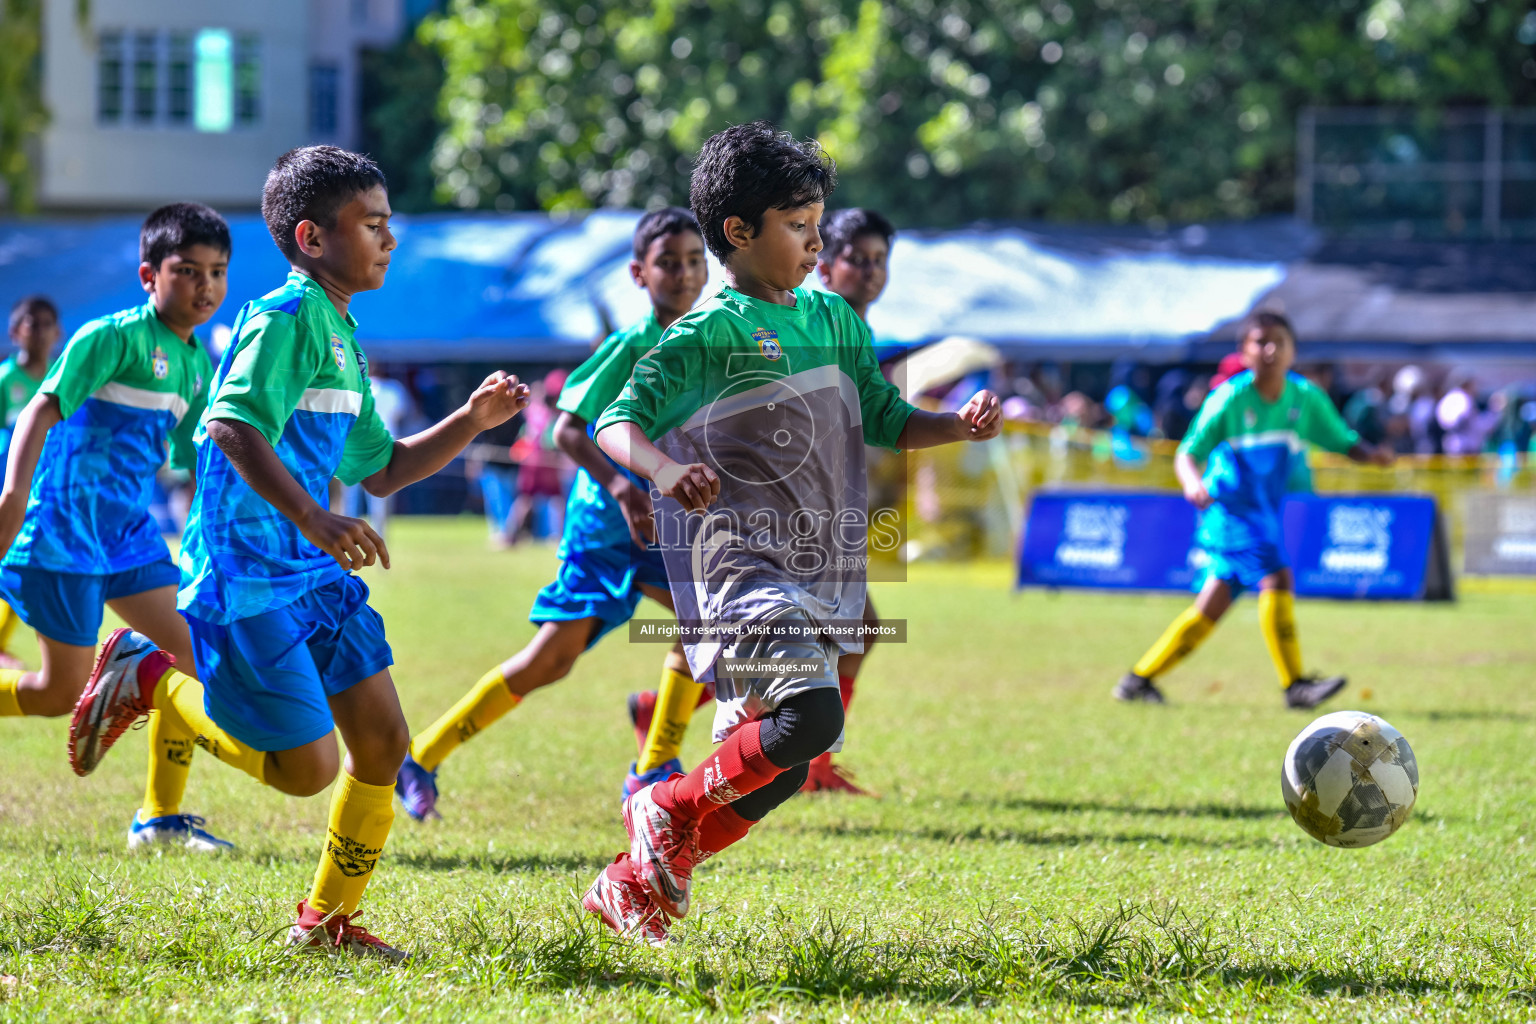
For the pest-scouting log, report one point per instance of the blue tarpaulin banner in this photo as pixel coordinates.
(1344, 546)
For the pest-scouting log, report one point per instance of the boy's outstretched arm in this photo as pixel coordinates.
(980, 420)
(351, 542)
(1191, 479)
(498, 398)
(41, 415)
(693, 486)
(634, 502)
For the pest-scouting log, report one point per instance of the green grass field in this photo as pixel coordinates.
(1040, 853)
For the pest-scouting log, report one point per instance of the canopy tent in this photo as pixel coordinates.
(534, 288)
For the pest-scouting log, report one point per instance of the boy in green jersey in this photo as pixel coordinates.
(605, 567)
(74, 513)
(287, 646)
(34, 327)
(750, 420)
(1251, 432)
(853, 264)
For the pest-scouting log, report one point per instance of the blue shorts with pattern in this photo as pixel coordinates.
(602, 584)
(268, 679)
(67, 606)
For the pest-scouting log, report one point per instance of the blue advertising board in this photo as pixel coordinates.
(1375, 546)
(1119, 540)
(1360, 545)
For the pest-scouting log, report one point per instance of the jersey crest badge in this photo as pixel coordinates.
(340, 352)
(160, 363)
(768, 344)
(1294, 413)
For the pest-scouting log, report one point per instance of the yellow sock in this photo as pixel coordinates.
(488, 701)
(8, 620)
(170, 759)
(1177, 642)
(675, 701)
(360, 819)
(1277, 620)
(10, 703)
(181, 697)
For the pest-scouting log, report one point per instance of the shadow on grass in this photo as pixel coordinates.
(497, 863)
(993, 834)
(1464, 715)
(1222, 811)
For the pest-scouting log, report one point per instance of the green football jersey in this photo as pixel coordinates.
(17, 387)
(779, 401)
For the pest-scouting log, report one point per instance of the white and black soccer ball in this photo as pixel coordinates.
(1349, 779)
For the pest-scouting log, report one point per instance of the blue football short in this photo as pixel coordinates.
(67, 606)
(602, 584)
(1242, 568)
(267, 679)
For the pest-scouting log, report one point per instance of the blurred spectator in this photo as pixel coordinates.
(1465, 426)
(1230, 366)
(542, 468)
(1366, 413)
(1179, 398)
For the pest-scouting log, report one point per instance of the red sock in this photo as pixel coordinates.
(737, 767)
(721, 829)
(705, 695)
(845, 687)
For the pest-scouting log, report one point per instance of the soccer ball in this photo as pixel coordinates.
(1349, 779)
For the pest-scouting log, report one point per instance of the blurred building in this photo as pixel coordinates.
(193, 99)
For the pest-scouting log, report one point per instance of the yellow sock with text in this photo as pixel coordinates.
(676, 700)
(361, 816)
(488, 701)
(170, 759)
(1177, 642)
(8, 621)
(10, 703)
(1277, 620)
(182, 697)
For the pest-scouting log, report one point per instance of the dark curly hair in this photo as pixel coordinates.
(669, 220)
(313, 183)
(1263, 320)
(839, 230)
(172, 228)
(749, 169)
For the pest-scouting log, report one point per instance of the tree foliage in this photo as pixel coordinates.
(21, 103)
(22, 113)
(944, 111)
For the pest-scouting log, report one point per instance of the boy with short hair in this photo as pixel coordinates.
(854, 264)
(1266, 416)
(74, 512)
(34, 328)
(761, 399)
(606, 564)
(285, 640)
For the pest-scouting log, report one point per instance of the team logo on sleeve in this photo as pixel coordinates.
(340, 352)
(768, 343)
(1250, 418)
(362, 364)
(160, 363)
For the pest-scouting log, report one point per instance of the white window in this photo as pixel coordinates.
(210, 79)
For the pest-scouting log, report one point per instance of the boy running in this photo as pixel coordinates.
(1267, 416)
(759, 404)
(605, 566)
(285, 640)
(854, 264)
(74, 513)
(34, 327)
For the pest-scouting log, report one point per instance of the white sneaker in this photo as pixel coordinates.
(185, 830)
